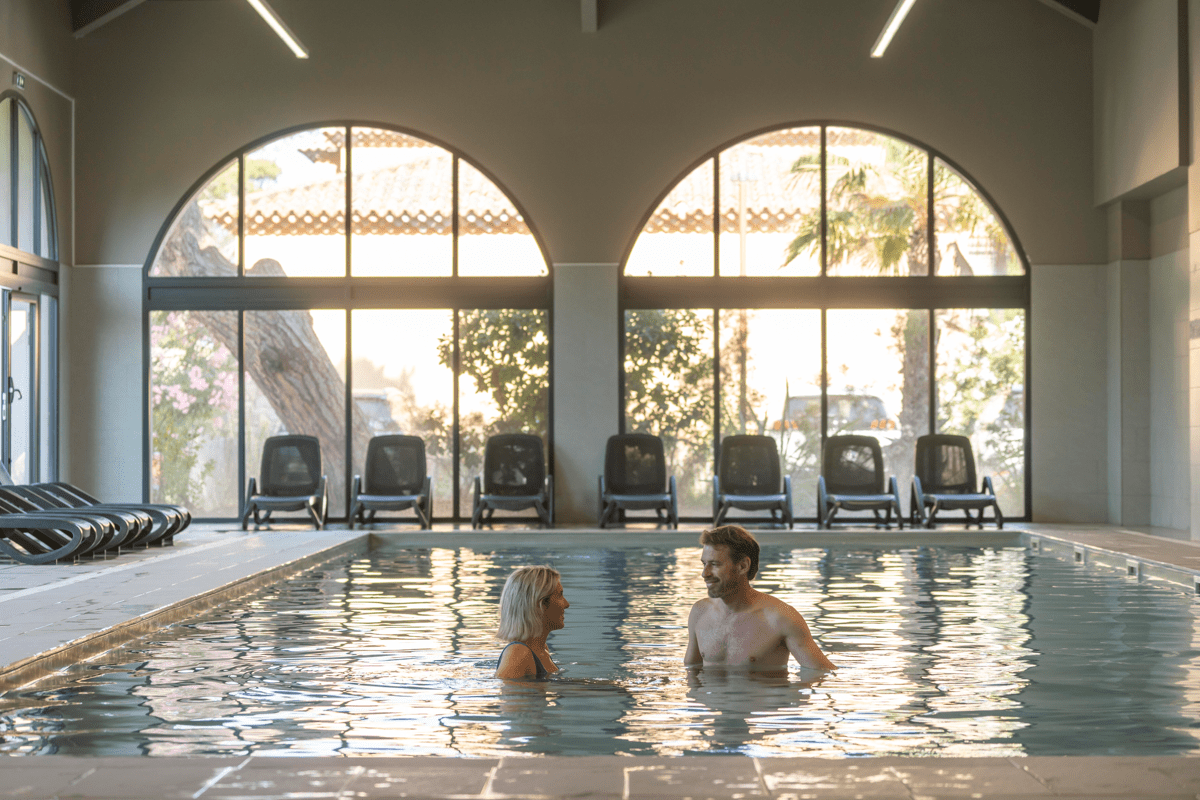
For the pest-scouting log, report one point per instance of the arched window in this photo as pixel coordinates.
(825, 279)
(28, 298)
(26, 195)
(341, 281)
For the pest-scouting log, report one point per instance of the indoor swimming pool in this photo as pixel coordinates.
(985, 650)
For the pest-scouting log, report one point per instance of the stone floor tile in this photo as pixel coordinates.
(594, 777)
(419, 776)
(166, 778)
(967, 777)
(302, 779)
(1131, 776)
(19, 780)
(802, 778)
(718, 776)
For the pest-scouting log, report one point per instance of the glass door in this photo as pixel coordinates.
(20, 383)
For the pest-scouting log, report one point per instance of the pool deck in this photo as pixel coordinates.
(54, 616)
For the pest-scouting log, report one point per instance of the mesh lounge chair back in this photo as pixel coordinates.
(513, 464)
(291, 466)
(634, 464)
(946, 464)
(853, 465)
(749, 465)
(395, 465)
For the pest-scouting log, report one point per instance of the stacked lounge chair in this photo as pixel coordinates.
(51, 522)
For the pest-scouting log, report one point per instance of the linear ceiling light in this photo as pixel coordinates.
(889, 30)
(277, 25)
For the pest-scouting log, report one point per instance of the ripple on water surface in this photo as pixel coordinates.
(955, 651)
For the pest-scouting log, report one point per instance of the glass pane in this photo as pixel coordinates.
(194, 411)
(678, 238)
(48, 391)
(503, 383)
(878, 365)
(970, 237)
(878, 204)
(402, 203)
(771, 384)
(669, 393)
(47, 239)
(202, 241)
(26, 192)
(493, 238)
(22, 339)
(6, 155)
(296, 206)
(407, 389)
(771, 204)
(981, 393)
(295, 383)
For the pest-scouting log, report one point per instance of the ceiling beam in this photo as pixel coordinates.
(88, 16)
(590, 14)
(1071, 13)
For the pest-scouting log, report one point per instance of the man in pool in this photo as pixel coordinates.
(738, 626)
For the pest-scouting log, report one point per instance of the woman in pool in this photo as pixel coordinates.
(531, 605)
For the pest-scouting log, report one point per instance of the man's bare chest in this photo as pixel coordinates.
(739, 639)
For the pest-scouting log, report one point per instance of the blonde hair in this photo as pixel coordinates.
(520, 614)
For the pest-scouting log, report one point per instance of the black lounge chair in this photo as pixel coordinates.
(291, 480)
(852, 479)
(945, 480)
(166, 520)
(396, 478)
(635, 474)
(116, 528)
(47, 539)
(514, 478)
(748, 478)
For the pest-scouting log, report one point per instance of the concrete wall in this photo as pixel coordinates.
(1170, 504)
(104, 335)
(1138, 115)
(1069, 393)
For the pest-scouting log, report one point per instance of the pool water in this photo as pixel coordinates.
(950, 651)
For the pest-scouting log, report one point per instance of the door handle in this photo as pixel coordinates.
(13, 390)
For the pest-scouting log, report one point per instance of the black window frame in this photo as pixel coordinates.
(240, 294)
(824, 292)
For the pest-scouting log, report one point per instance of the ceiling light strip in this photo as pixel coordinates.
(282, 30)
(889, 30)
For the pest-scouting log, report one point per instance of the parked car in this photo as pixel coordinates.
(848, 413)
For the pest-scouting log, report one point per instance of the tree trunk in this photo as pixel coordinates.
(282, 356)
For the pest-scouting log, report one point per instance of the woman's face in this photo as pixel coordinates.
(554, 608)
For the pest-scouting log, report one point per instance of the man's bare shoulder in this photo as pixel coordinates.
(700, 607)
(775, 609)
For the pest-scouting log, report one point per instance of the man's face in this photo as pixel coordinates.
(722, 576)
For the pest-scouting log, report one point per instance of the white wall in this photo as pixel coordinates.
(104, 338)
(1170, 504)
(1136, 95)
(586, 403)
(1068, 390)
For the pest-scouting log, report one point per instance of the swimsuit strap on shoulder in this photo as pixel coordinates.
(541, 671)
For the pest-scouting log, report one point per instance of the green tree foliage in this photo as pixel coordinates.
(669, 390)
(259, 171)
(505, 354)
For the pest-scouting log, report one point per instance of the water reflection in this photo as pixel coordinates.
(948, 651)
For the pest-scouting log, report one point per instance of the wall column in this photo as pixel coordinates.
(1193, 136)
(1129, 363)
(586, 365)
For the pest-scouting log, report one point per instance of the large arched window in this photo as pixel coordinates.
(341, 281)
(825, 279)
